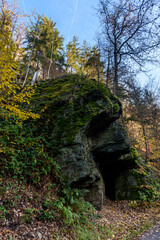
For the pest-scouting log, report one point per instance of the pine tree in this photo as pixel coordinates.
(85, 54)
(73, 56)
(95, 64)
(43, 43)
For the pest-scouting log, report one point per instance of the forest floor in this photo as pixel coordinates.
(117, 220)
(128, 219)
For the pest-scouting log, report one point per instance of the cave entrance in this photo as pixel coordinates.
(110, 170)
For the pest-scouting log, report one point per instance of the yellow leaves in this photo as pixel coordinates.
(11, 94)
(146, 186)
(150, 164)
(21, 114)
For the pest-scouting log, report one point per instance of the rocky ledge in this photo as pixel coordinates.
(79, 121)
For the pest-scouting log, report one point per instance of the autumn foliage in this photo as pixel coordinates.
(12, 96)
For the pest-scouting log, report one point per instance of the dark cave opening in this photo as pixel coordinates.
(107, 167)
(110, 169)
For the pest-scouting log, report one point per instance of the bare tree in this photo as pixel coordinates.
(130, 33)
(144, 110)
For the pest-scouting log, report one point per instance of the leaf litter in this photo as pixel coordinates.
(21, 219)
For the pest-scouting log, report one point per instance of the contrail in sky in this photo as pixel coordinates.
(72, 20)
(24, 7)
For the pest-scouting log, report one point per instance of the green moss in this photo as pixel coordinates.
(147, 186)
(141, 182)
(134, 153)
(68, 103)
(116, 108)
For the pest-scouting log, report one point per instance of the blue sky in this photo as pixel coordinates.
(72, 17)
(76, 18)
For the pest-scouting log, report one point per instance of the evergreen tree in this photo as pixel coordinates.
(44, 43)
(84, 56)
(73, 56)
(95, 64)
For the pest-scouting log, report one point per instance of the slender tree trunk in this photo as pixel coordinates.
(98, 76)
(115, 83)
(50, 62)
(43, 71)
(108, 69)
(30, 58)
(145, 140)
(35, 74)
(29, 62)
(115, 80)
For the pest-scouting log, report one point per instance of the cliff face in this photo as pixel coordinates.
(94, 163)
(79, 121)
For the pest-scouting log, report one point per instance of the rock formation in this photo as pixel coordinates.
(79, 119)
(93, 160)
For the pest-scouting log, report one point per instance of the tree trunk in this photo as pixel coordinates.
(50, 62)
(115, 80)
(108, 70)
(29, 62)
(34, 79)
(146, 141)
(98, 76)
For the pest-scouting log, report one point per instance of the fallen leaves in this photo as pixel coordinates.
(121, 220)
(127, 222)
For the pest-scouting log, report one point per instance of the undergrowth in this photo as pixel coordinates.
(27, 167)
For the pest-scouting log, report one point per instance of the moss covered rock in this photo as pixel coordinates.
(138, 183)
(69, 102)
(80, 129)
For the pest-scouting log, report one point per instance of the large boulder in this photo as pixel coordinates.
(79, 122)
